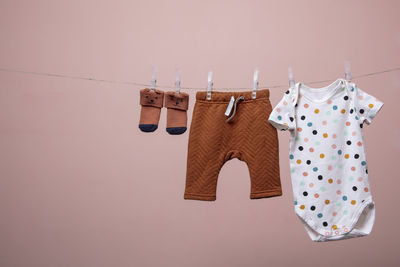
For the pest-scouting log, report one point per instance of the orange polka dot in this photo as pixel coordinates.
(366, 189)
(300, 95)
(343, 111)
(329, 101)
(334, 146)
(338, 192)
(334, 136)
(353, 202)
(354, 133)
(316, 195)
(278, 110)
(284, 103)
(311, 149)
(339, 181)
(360, 97)
(306, 105)
(324, 122)
(305, 173)
(371, 105)
(321, 156)
(311, 185)
(359, 143)
(330, 167)
(327, 201)
(330, 181)
(360, 179)
(353, 168)
(334, 213)
(348, 123)
(316, 111)
(302, 207)
(298, 161)
(325, 135)
(306, 139)
(334, 227)
(299, 129)
(346, 156)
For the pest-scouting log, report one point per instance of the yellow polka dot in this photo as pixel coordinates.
(316, 111)
(330, 181)
(298, 161)
(353, 202)
(325, 135)
(343, 111)
(285, 124)
(371, 105)
(302, 207)
(321, 156)
(327, 201)
(346, 156)
(334, 227)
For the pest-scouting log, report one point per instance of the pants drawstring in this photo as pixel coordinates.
(241, 98)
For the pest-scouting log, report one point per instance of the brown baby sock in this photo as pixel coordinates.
(177, 105)
(152, 102)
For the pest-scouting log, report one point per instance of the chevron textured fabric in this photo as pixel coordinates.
(248, 137)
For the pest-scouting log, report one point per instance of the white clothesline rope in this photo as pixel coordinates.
(183, 87)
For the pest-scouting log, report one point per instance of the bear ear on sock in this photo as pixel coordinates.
(177, 106)
(151, 101)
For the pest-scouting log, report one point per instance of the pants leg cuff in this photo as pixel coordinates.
(265, 194)
(199, 197)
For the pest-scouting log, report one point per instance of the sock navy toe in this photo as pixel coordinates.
(176, 130)
(148, 127)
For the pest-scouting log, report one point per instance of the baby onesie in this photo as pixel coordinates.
(327, 157)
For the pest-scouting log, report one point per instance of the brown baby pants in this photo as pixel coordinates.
(247, 136)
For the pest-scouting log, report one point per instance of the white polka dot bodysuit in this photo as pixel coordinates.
(327, 157)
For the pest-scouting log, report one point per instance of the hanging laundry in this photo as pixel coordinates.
(152, 101)
(247, 136)
(177, 105)
(328, 164)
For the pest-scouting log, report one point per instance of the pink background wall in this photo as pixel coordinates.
(78, 186)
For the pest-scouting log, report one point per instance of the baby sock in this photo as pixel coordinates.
(177, 105)
(152, 102)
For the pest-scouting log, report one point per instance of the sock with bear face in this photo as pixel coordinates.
(177, 106)
(151, 102)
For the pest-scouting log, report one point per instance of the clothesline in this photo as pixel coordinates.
(183, 87)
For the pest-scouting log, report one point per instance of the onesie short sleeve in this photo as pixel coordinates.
(367, 106)
(282, 116)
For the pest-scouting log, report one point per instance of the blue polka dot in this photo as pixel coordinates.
(319, 215)
(334, 107)
(356, 117)
(315, 169)
(279, 117)
(363, 163)
(295, 202)
(291, 157)
(344, 198)
(339, 152)
(309, 124)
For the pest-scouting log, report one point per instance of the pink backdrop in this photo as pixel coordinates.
(78, 186)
